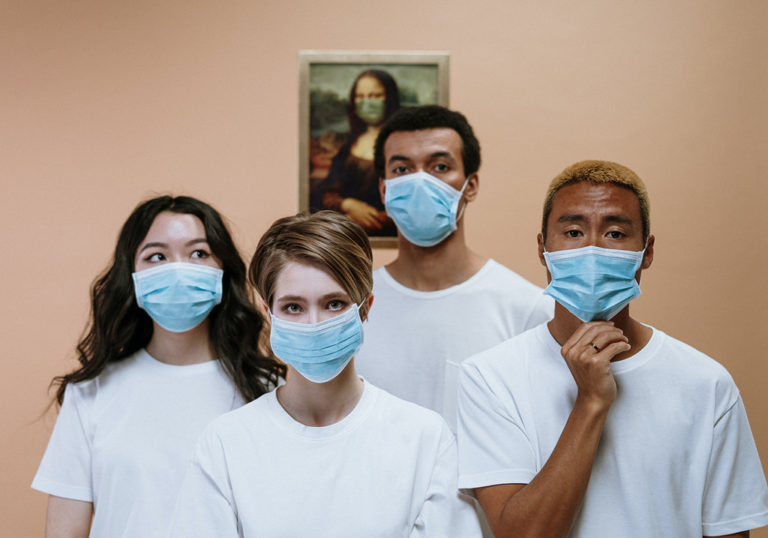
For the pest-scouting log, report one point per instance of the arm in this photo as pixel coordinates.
(205, 505)
(68, 518)
(548, 505)
(744, 534)
(446, 512)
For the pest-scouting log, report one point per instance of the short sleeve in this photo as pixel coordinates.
(735, 494)
(205, 506)
(493, 446)
(446, 511)
(65, 470)
(543, 310)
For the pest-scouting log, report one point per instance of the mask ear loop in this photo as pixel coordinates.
(460, 213)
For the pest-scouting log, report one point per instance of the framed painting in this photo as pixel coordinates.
(344, 98)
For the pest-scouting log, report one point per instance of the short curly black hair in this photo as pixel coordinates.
(430, 117)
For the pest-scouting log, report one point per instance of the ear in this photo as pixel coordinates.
(540, 243)
(265, 306)
(473, 187)
(648, 256)
(382, 189)
(367, 303)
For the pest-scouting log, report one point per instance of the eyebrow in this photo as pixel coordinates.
(575, 217)
(157, 244)
(434, 155)
(326, 297)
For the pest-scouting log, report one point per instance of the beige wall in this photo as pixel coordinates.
(104, 103)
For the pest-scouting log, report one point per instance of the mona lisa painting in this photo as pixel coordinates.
(344, 98)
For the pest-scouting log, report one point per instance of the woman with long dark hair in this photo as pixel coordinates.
(173, 341)
(345, 458)
(352, 186)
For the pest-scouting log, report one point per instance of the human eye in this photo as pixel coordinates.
(155, 257)
(615, 234)
(573, 233)
(337, 305)
(441, 168)
(200, 253)
(400, 170)
(291, 308)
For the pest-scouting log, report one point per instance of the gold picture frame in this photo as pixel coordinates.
(334, 168)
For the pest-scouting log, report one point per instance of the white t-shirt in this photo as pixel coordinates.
(416, 340)
(676, 457)
(122, 440)
(387, 469)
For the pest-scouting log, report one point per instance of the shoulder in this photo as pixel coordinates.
(514, 291)
(382, 279)
(509, 354)
(114, 373)
(244, 418)
(500, 274)
(695, 369)
(406, 418)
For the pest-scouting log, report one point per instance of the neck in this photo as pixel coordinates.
(446, 264)
(564, 324)
(190, 347)
(320, 404)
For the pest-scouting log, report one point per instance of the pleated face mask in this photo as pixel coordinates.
(424, 208)
(178, 296)
(593, 283)
(318, 351)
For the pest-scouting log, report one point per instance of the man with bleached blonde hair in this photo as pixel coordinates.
(595, 424)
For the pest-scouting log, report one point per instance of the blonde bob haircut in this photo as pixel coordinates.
(327, 240)
(599, 172)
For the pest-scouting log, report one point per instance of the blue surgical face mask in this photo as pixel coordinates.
(371, 111)
(593, 283)
(424, 208)
(178, 296)
(318, 351)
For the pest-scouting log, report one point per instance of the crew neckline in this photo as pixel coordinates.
(397, 286)
(176, 369)
(355, 417)
(619, 367)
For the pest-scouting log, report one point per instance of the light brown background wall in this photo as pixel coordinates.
(104, 103)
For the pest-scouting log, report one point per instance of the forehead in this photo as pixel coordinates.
(423, 143)
(305, 280)
(169, 225)
(595, 200)
(368, 84)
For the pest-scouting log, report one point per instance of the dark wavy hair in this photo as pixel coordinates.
(391, 101)
(119, 328)
(418, 118)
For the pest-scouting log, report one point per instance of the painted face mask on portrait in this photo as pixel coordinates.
(593, 283)
(318, 351)
(178, 296)
(371, 111)
(424, 208)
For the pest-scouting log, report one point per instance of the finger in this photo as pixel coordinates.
(578, 335)
(601, 334)
(602, 339)
(614, 348)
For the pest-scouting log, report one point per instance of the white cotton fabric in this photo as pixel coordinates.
(122, 440)
(416, 340)
(676, 457)
(387, 469)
